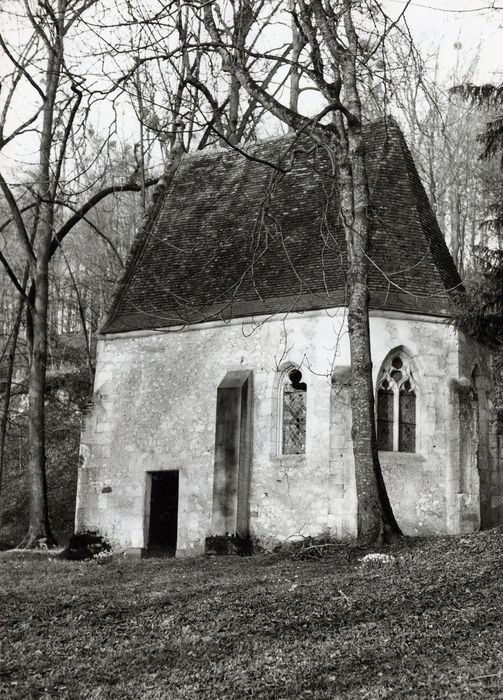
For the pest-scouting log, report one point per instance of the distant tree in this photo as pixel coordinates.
(441, 131)
(481, 308)
(486, 96)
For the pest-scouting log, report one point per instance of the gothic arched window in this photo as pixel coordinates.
(293, 414)
(396, 406)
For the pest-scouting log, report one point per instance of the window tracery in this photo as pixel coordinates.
(396, 405)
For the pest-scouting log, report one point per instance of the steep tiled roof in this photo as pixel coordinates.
(235, 237)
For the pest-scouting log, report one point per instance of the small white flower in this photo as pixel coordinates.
(103, 555)
(377, 558)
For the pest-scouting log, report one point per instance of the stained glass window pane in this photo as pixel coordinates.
(385, 419)
(294, 420)
(407, 421)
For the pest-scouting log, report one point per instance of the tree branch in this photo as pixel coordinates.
(285, 114)
(13, 278)
(96, 230)
(21, 68)
(66, 136)
(92, 202)
(18, 220)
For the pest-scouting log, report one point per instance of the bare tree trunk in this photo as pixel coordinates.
(233, 109)
(141, 145)
(82, 315)
(8, 384)
(39, 532)
(375, 516)
(297, 46)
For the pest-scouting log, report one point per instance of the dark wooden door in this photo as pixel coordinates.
(163, 514)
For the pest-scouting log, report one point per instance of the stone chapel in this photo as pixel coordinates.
(221, 398)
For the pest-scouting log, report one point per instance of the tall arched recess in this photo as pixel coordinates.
(233, 454)
(483, 454)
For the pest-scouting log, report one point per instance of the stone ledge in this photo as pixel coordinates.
(401, 457)
(288, 460)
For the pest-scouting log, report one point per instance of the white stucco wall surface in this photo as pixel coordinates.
(154, 409)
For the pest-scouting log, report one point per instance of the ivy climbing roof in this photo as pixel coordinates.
(233, 236)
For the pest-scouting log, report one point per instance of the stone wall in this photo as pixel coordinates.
(480, 429)
(155, 406)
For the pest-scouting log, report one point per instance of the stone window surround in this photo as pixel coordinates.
(412, 377)
(281, 376)
(280, 379)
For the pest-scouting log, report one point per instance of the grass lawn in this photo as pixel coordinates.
(430, 624)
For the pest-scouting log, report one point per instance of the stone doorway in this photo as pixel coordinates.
(163, 524)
